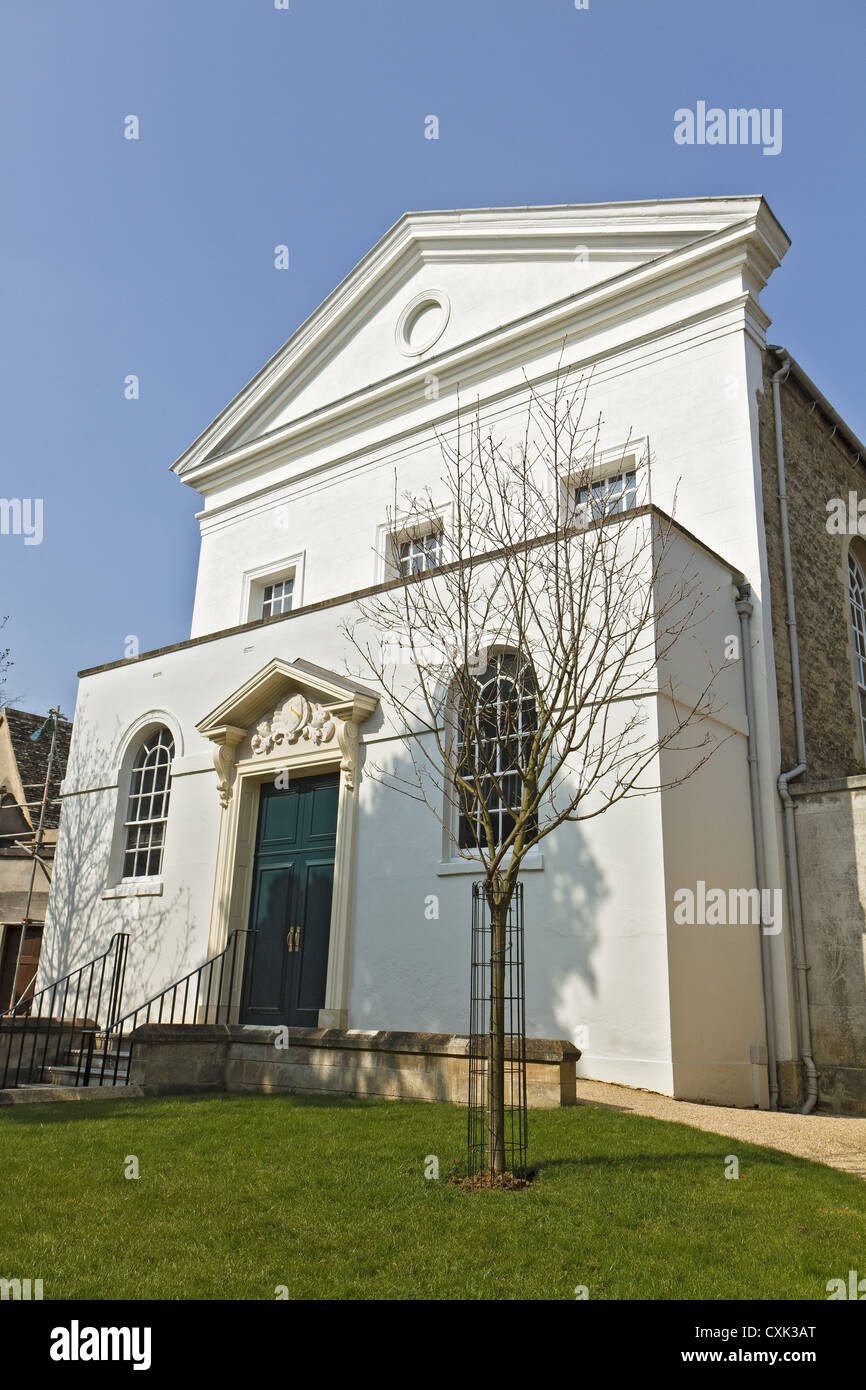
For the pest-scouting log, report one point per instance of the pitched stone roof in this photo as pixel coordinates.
(32, 760)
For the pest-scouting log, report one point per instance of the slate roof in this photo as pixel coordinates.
(32, 760)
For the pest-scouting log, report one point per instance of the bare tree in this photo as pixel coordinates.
(523, 650)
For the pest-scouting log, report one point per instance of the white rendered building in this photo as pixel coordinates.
(659, 302)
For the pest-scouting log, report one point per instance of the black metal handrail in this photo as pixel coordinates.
(96, 989)
(207, 1006)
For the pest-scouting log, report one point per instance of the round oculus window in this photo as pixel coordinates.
(422, 322)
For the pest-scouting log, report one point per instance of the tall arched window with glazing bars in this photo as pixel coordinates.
(857, 592)
(495, 726)
(147, 809)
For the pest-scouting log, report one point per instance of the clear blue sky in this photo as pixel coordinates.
(306, 127)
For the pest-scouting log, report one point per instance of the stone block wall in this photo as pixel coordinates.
(831, 796)
(831, 839)
(819, 466)
(333, 1061)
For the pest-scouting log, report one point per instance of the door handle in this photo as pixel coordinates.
(293, 938)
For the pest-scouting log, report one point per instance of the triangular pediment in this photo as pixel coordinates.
(276, 681)
(439, 281)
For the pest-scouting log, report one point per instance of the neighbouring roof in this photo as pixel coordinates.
(32, 760)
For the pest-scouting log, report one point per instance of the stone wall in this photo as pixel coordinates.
(818, 466)
(333, 1061)
(831, 840)
(831, 798)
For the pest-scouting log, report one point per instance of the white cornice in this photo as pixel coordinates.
(419, 238)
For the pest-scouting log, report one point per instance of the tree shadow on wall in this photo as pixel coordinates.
(562, 906)
(81, 921)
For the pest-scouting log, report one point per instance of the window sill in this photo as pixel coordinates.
(135, 888)
(447, 867)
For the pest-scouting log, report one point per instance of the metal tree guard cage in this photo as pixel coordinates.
(480, 1036)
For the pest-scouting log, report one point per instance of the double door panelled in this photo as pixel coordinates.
(290, 912)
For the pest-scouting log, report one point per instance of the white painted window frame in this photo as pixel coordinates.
(390, 535)
(256, 580)
(127, 751)
(629, 457)
(136, 798)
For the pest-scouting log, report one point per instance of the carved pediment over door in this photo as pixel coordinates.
(294, 719)
(287, 710)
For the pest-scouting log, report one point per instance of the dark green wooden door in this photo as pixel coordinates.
(293, 880)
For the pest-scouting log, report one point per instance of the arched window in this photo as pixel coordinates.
(147, 811)
(494, 730)
(857, 592)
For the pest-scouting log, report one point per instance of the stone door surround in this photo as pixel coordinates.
(290, 719)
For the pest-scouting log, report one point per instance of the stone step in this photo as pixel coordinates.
(39, 1094)
(61, 1075)
(75, 1052)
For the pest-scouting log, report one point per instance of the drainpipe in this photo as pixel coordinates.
(801, 988)
(745, 609)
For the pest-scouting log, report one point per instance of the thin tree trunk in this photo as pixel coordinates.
(496, 1062)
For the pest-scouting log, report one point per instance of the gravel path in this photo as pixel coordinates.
(837, 1140)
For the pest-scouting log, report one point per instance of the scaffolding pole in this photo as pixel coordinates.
(54, 715)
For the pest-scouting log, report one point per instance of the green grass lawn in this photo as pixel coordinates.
(240, 1194)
